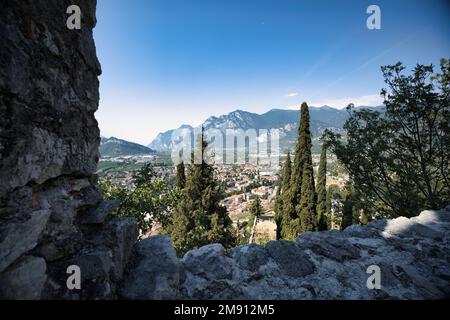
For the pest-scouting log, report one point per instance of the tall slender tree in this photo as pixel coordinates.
(328, 206)
(301, 211)
(283, 191)
(180, 179)
(278, 208)
(307, 206)
(348, 208)
(287, 171)
(322, 191)
(255, 208)
(347, 213)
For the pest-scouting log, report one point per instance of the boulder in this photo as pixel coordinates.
(19, 237)
(210, 261)
(329, 244)
(122, 234)
(250, 257)
(291, 259)
(404, 227)
(207, 273)
(156, 272)
(24, 280)
(99, 214)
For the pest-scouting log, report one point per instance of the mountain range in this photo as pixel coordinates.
(285, 120)
(114, 147)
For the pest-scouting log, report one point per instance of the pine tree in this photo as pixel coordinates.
(198, 218)
(180, 179)
(322, 191)
(300, 203)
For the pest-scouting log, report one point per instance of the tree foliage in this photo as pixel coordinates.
(256, 208)
(283, 192)
(347, 213)
(150, 200)
(198, 219)
(322, 214)
(299, 201)
(278, 209)
(180, 178)
(328, 203)
(400, 159)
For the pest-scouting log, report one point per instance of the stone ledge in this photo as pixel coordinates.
(319, 265)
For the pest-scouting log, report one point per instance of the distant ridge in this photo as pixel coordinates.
(114, 147)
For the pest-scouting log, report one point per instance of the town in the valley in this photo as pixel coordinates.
(242, 183)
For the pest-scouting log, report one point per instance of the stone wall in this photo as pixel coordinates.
(51, 215)
(413, 257)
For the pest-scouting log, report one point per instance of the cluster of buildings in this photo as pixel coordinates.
(242, 183)
(245, 182)
(120, 170)
(242, 178)
(129, 159)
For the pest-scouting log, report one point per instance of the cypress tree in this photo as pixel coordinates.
(347, 213)
(278, 208)
(255, 208)
(180, 179)
(328, 206)
(287, 171)
(347, 208)
(300, 204)
(322, 190)
(198, 218)
(283, 219)
(293, 196)
(307, 206)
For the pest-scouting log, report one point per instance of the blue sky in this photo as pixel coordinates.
(170, 62)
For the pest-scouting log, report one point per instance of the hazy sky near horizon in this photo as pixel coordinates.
(172, 62)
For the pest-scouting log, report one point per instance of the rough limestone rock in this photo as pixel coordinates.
(25, 281)
(156, 273)
(49, 96)
(51, 213)
(413, 256)
(21, 236)
(100, 213)
(207, 272)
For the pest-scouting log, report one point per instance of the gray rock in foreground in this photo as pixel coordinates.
(24, 281)
(412, 254)
(51, 212)
(157, 272)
